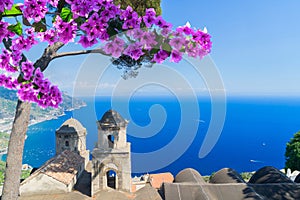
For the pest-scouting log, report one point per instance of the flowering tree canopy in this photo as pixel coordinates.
(128, 38)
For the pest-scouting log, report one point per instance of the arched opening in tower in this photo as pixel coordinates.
(111, 179)
(111, 141)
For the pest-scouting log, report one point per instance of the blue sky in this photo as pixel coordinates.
(256, 44)
(256, 47)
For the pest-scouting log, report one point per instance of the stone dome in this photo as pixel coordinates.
(71, 126)
(189, 175)
(226, 175)
(269, 174)
(112, 120)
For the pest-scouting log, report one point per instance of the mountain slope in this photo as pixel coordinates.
(8, 101)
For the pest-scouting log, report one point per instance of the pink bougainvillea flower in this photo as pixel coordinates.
(176, 56)
(203, 39)
(150, 17)
(66, 31)
(53, 3)
(81, 7)
(115, 48)
(160, 56)
(94, 18)
(178, 42)
(4, 32)
(48, 36)
(5, 64)
(86, 42)
(34, 9)
(27, 69)
(8, 82)
(134, 51)
(6, 4)
(131, 19)
(148, 40)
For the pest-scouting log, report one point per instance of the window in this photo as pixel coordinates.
(111, 179)
(111, 141)
(67, 143)
(66, 136)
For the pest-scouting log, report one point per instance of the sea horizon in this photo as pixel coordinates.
(254, 134)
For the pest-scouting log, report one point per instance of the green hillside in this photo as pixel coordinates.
(8, 101)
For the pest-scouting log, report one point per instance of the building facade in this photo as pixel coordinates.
(72, 136)
(111, 162)
(60, 173)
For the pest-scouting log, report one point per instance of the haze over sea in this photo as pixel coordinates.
(255, 132)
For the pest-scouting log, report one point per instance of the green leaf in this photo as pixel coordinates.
(166, 47)
(154, 51)
(16, 28)
(114, 27)
(14, 11)
(66, 14)
(79, 21)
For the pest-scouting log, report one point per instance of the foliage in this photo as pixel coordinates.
(292, 153)
(140, 5)
(212, 174)
(246, 175)
(24, 175)
(8, 102)
(4, 137)
(206, 178)
(131, 38)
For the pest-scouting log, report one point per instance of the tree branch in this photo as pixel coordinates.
(48, 55)
(74, 53)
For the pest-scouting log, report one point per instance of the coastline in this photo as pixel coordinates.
(6, 123)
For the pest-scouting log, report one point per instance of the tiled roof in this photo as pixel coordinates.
(112, 119)
(267, 183)
(156, 180)
(189, 175)
(226, 175)
(71, 126)
(269, 174)
(62, 167)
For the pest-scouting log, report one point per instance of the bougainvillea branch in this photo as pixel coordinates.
(128, 38)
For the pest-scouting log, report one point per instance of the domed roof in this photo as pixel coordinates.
(112, 119)
(71, 126)
(297, 179)
(189, 175)
(269, 174)
(226, 175)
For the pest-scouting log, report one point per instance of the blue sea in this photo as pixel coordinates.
(255, 133)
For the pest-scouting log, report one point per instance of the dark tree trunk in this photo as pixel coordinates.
(15, 151)
(18, 133)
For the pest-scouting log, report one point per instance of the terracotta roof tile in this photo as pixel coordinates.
(62, 167)
(156, 180)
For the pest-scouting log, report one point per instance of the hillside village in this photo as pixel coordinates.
(72, 175)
